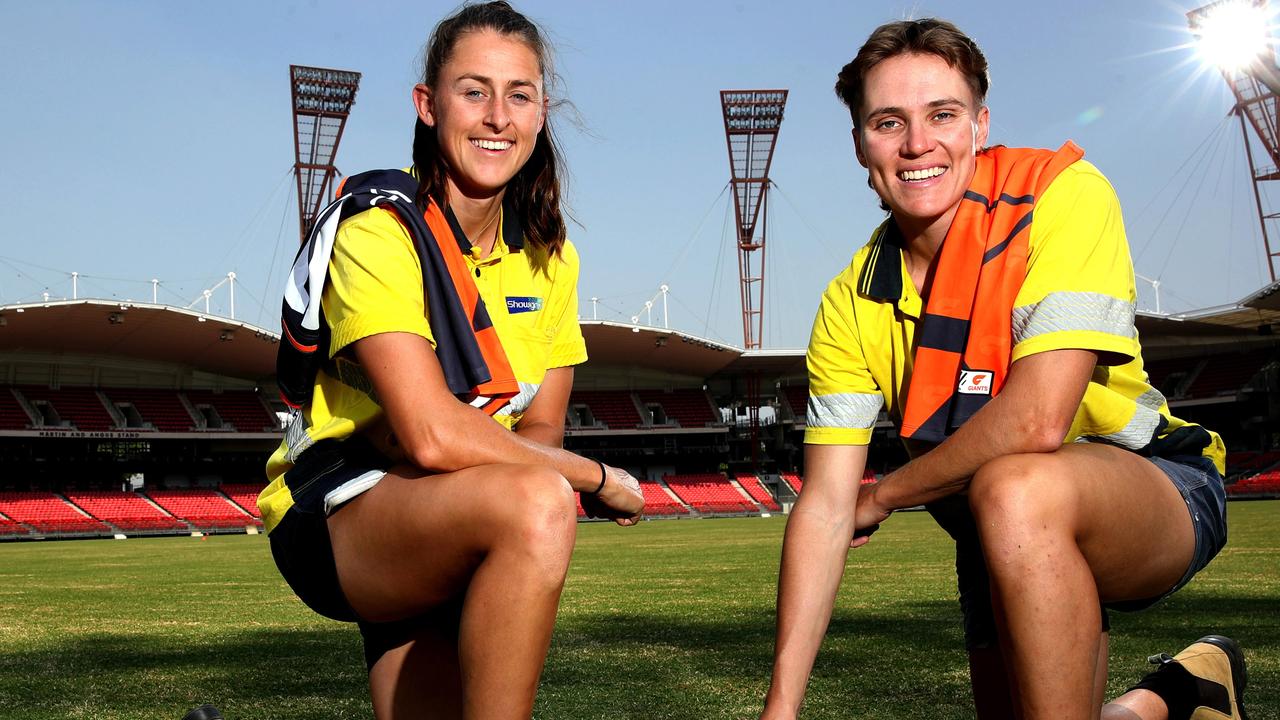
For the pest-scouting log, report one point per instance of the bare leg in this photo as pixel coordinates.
(499, 535)
(992, 697)
(423, 672)
(1061, 532)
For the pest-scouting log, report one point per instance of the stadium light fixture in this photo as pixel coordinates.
(1232, 34)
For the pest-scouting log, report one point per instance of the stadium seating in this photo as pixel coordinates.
(246, 496)
(1265, 484)
(709, 493)
(9, 528)
(242, 409)
(162, 408)
(204, 509)
(688, 407)
(48, 513)
(797, 396)
(794, 480)
(78, 405)
(126, 510)
(756, 490)
(614, 408)
(12, 416)
(1225, 374)
(658, 502)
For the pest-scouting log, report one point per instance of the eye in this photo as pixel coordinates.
(887, 124)
(473, 94)
(944, 116)
(521, 98)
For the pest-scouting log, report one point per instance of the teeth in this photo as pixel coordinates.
(924, 174)
(491, 144)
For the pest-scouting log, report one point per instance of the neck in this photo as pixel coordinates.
(478, 217)
(922, 239)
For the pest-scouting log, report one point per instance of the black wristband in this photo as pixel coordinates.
(603, 476)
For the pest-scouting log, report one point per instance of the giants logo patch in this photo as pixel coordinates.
(975, 382)
(523, 304)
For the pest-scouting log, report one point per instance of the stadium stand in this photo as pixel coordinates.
(48, 513)
(246, 496)
(204, 509)
(709, 493)
(687, 407)
(125, 510)
(614, 409)
(756, 490)
(1171, 376)
(79, 406)
(1225, 374)
(163, 409)
(794, 480)
(1265, 484)
(797, 397)
(11, 529)
(241, 409)
(658, 502)
(12, 416)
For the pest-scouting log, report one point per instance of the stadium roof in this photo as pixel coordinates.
(140, 330)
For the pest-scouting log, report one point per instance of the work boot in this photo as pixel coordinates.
(1203, 682)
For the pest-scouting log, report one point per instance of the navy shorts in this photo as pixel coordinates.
(328, 475)
(1196, 479)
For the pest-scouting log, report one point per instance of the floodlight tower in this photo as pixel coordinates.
(1235, 35)
(751, 122)
(322, 100)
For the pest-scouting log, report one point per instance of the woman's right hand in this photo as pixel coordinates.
(619, 500)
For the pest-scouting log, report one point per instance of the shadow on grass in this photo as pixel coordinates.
(898, 660)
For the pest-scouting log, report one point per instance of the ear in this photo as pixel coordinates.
(857, 148)
(981, 128)
(422, 103)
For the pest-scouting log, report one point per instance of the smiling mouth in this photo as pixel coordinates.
(492, 144)
(921, 175)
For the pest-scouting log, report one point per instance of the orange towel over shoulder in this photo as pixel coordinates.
(966, 335)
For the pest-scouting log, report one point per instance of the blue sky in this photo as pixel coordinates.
(154, 139)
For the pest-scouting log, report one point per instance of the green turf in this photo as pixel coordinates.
(670, 619)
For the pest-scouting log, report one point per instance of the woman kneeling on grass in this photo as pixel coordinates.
(396, 501)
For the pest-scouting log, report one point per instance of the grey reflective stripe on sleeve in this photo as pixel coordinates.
(522, 400)
(296, 437)
(1138, 432)
(1151, 399)
(844, 410)
(1063, 311)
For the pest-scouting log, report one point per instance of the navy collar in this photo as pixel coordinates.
(512, 228)
(881, 276)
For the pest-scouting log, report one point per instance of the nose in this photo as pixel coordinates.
(497, 116)
(917, 140)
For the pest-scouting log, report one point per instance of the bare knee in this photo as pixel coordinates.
(1016, 495)
(538, 514)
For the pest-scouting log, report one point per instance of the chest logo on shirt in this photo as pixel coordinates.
(975, 382)
(523, 304)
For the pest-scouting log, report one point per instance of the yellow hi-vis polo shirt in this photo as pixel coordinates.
(375, 286)
(1078, 294)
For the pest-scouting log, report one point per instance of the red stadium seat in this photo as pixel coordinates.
(687, 407)
(614, 408)
(756, 490)
(710, 494)
(126, 510)
(244, 410)
(49, 514)
(204, 509)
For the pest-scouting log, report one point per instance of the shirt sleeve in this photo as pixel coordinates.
(844, 400)
(567, 346)
(375, 281)
(1079, 291)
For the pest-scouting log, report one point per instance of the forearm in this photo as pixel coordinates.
(543, 433)
(1031, 415)
(461, 436)
(814, 549)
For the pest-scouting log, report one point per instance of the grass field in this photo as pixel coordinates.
(668, 619)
